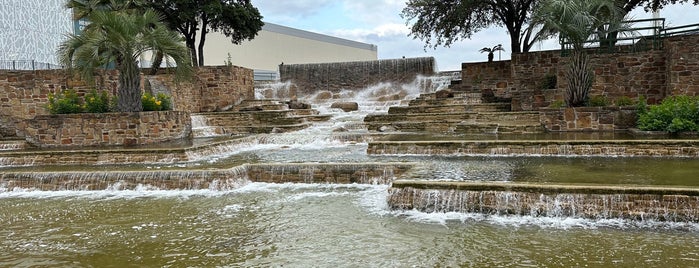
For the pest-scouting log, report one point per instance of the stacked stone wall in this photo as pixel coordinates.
(654, 74)
(334, 77)
(108, 129)
(588, 118)
(24, 94)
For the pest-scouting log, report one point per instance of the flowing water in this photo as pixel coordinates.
(252, 224)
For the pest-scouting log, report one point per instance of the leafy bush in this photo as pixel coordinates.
(549, 82)
(598, 101)
(674, 114)
(66, 102)
(159, 102)
(557, 104)
(97, 103)
(623, 101)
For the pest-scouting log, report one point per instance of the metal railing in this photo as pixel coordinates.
(630, 39)
(681, 30)
(27, 65)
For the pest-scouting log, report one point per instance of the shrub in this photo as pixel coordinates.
(598, 101)
(623, 101)
(549, 81)
(159, 102)
(674, 114)
(557, 104)
(66, 102)
(97, 103)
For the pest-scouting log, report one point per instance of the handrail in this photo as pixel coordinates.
(671, 31)
(27, 65)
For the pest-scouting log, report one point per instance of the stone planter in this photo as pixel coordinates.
(108, 129)
(588, 118)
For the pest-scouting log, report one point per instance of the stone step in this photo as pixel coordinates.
(485, 122)
(495, 128)
(448, 101)
(457, 108)
(13, 145)
(257, 129)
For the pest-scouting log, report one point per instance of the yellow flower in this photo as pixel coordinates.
(157, 103)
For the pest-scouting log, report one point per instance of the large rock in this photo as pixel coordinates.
(294, 104)
(346, 106)
(444, 94)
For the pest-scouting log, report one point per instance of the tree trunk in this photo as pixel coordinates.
(129, 92)
(157, 60)
(579, 78)
(202, 38)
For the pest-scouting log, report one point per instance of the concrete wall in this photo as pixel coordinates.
(337, 76)
(654, 74)
(275, 44)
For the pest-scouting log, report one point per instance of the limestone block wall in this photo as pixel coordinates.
(682, 55)
(334, 77)
(24, 94)
(654, 74)
(588, 118)
(108, 129)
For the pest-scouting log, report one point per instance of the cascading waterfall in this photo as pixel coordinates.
(676, 208)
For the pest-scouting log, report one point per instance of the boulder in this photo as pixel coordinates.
(346, 106)
(294, 104)
(444, 94)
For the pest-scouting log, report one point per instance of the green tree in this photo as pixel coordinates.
(237, 19)
(449, 21)
(119, 35)
(576, 21)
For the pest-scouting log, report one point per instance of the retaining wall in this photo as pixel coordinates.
(24, 94)
(588, 118)
(593, 202)
(108, 129)
(337, 76)
(654, 74)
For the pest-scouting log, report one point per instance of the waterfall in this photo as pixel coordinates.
(201, 127)
(635, 206)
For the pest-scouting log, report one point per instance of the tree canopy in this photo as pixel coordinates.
(237, 19)
(449, 21)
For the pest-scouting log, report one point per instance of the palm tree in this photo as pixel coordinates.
(576, 21)
(491, 51)
(120, 35)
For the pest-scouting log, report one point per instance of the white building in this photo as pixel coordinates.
(31, 30)
(276, 44)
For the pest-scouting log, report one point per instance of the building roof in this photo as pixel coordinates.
(276, 28)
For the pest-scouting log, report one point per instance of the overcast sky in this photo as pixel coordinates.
(378, 22)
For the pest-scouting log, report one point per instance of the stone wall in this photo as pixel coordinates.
(108, 129)
(654, 74)
(24, 94)
(588, 118)
(213, 88)
(621, 148)
(546, 200)
(334, 77)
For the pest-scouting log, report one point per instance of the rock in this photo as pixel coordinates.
(387, 129)
(444, 94)
(346, 106)
(251, 109)
(324, 95)
(294, 104)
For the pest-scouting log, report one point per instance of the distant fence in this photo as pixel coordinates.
(27, 65)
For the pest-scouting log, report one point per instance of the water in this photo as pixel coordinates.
(304, 225)
(252, 224)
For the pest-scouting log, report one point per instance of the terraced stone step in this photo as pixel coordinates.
(495, 128)
(452, 108)
(447, 101)
(677, 204)
(13, 145)
(622, 148)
